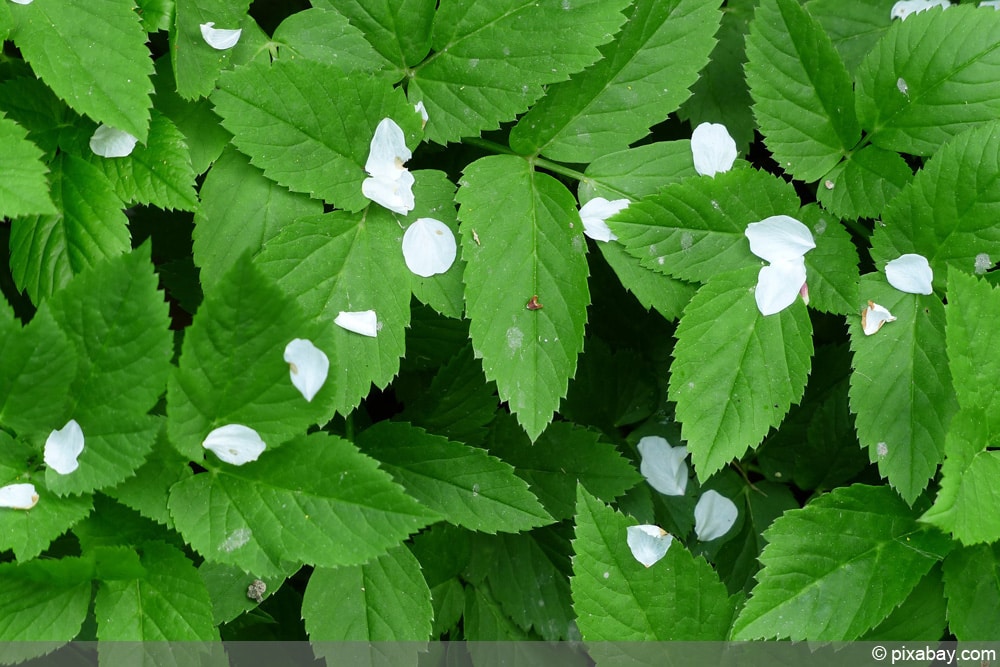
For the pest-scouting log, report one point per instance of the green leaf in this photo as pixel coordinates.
(28, 532)
(296, 145)
(400, 30)
(832, 266)
(147, 490)
(637, 172)
(853, 27)
(155, 14)
(229, 588)
(735, 372)
(170, 603)
(347, 262)
(862, 185)
(435, 198)
(195, 63)
(492, 60)
(315, 500)
(838, 567)
(965, 503)
(46, 251)
(972, 586)
(32, 105)
(562, 457)
(652, 289)
(720, 95)
(232, 368)
(240, 211)
(531, 587)
(384, 600)
(804, 102)
(24, 189)
(921, 616)
(948, 213)
(157, 173)
(37, 366)
(464, 484)
(694, 229)
(44, 600)
(680, 598)
(531, 354)
(948, 88)
(327, 36)
(901, 395)
(613, 104)
(485, 620)
(974, 345)
(93, 55)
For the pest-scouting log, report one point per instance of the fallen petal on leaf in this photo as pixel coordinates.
(714, 515)
(18, 496)
(235, 443)
(904, 8)
(220, 39)
(387, 152)
(429, 247)
(361, 322)
(713, 150)
(873, 317)
(308, 366)
(397, 195)
(595, 212)
(910, 273)
(663, 466)
(778, 284)
(648, 543)
(779, 237)
(109, 142)
(422, 110)
(63, 448)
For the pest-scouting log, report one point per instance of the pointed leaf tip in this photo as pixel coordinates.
(235, 444)
(308, 366)
(429, 247)
(63, 448)
(713, 150)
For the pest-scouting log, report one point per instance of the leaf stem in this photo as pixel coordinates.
(349, 427)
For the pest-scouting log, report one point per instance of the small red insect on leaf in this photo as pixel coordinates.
(533, 303)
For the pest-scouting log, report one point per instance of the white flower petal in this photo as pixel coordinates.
(220, 39)
(648, 543)
(904, 8)
(422, 110)
(663, 466)
(361, 322)
(594, 213)
(397, 195)
(235, 443)
(713, 150)
(22, 2)
(308, 366)
(429, 247)
(995, 4)
(778, 284)
(714, 515)
(873, 317)
(910, 273)
(110, 142)
(63, 448)
(778, 238)
(18, 496)
(387, 152)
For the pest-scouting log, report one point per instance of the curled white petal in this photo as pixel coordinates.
(595, 212)
(429, 247)
(910, 273)
(714, 515)
(387, 152)
(778, 284)
(873, 317)
(235, 443)
(18, 496)
(220, 39)
(713, 150)
(778, 238)
(308, 366)
(904, 8)
(110, 142)
(422, 110)
(663, 466)
(648, 543)
(63, 448)
(362, 322)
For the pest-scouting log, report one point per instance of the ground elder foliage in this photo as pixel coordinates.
(505, 319)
